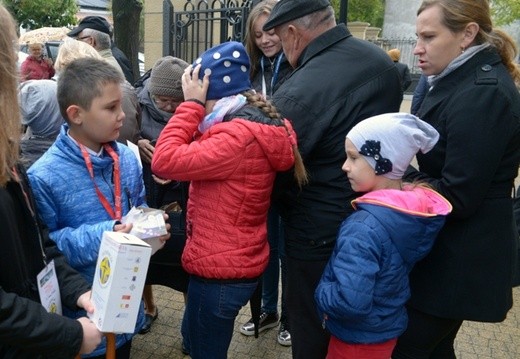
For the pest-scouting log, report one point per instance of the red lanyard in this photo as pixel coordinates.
(117, 214)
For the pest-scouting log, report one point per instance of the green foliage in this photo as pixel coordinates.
(505, 11)
(34, 14)
(371, 11)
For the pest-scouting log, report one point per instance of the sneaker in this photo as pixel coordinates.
(284, 337)
(267, 320)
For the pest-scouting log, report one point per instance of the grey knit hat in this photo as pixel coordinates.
(165, 79)
(39, 107)
(390, 141)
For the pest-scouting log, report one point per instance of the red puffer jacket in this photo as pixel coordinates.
(231, 167)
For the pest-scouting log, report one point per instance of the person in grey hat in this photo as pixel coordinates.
(338, 80)
(159, 95)
(41, 114)
(362, 293)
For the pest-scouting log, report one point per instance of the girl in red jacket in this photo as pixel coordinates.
(229, 142)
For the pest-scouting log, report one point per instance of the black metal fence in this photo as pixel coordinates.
(202, 24)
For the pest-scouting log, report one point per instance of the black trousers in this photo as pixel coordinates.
(309, 339)
(427, 337)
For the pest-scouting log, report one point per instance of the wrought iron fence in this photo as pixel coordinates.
(202, 24)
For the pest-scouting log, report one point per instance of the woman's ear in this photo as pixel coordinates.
(470, 33)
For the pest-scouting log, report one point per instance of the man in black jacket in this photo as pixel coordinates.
(404, 71)
(338, 81)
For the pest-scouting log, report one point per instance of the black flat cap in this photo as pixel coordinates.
(287, 10)
(91, 22)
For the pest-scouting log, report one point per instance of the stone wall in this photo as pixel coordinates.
(399, 21)
(153, 29)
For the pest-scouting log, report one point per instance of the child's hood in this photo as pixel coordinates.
(413, 217)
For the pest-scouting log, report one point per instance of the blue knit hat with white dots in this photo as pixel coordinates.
(228, 67)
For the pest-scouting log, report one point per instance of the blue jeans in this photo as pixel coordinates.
(184, 329)
(271, 276)
(210, 315)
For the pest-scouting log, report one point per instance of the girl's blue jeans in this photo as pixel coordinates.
(210, 314)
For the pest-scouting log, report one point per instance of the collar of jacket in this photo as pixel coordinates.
(325, 40)
(449, 84)
(253, 114)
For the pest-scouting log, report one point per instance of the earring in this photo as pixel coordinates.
(462, 50)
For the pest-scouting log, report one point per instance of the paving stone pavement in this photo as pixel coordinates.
(475, 340)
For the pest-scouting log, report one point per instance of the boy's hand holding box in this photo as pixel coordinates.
(147, 224)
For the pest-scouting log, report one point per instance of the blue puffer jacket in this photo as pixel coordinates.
(364, 287)
(68, 204)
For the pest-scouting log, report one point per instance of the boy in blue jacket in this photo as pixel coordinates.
(363, 290)
(87, 181)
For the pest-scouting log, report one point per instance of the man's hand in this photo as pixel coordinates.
(160, 180)
(91, 336)
(146, 150)
(85, 302)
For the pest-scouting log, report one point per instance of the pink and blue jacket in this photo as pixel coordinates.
(363, 290)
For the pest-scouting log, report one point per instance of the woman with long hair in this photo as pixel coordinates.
(474, 104)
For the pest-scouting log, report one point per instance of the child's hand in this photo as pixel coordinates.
(123, 227)
(191, 86)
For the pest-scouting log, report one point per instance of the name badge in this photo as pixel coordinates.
(49, 289)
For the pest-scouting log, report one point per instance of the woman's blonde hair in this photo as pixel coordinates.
(458, 13)
(10, 128)
(255, 54)
(257, 100)
(71, 50)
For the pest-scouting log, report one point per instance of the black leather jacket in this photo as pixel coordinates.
(26, 329)
(339, 80)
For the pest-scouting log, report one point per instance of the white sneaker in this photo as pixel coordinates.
(284, 337)
(266, 321)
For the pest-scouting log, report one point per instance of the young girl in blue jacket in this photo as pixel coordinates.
(362, 293)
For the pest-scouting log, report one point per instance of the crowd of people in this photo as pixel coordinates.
(285, 157)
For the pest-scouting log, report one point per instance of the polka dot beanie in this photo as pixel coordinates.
(390, 141)
(228, 67)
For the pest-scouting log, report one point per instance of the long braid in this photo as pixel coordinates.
(257, 100)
